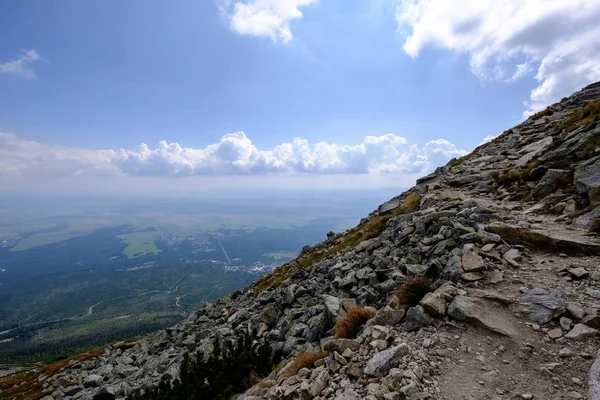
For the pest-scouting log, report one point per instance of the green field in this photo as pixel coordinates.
(140, 243)
(42, 240)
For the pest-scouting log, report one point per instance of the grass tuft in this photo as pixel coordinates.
(349, 324)
(412, 291)
(304, 360)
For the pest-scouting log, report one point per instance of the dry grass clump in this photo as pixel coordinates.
(412, 291)
(349, 324)
(586, 116)
(304, 360)
(544, 113)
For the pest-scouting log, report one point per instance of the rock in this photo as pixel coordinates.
(544, 305)
(490, 295)
(388, 317)
(592, 320)
(416, 318)
(481, 312)
(586, 220)
(269, 315)
(594, 379)
(93, 380)
(587, 179)
(541, 240)
(575, 310)
(553, 180)
(340, 345)
(319, 383)
(581, 331)
(472, 276)
(380, 364)
(555, 333)
(472, 262)
(105, 393)
(512, 257)
(333, 307)
(578, 273)
(435, 303)
(453, 270)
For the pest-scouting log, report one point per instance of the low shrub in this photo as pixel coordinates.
(412, 291)
(349, 324)
(231, 368)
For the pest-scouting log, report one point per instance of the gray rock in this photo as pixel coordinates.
(553, 180)
(388, 317)
(380, 364)
(105, 393)
(581, 331)
(594, 379)
(416, 318)
(544, 305)
(575, 310)
(269, 315)
(472, 262)
(482, 312)
(587, 179)
(513, 257)
(93, 380)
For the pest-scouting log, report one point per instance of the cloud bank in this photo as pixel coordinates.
(508, 40)
(233, 155)
(266, 18)
(22, 65)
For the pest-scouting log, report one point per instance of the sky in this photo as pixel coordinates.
(152, 97)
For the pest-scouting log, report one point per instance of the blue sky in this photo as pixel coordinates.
(84, 83)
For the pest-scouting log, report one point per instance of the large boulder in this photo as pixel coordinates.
(553, 180)
(587, 180)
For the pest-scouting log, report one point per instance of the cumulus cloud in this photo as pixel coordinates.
(507, 40)
(18, 156)
(22, 65)
(234, 154)
(266, 18)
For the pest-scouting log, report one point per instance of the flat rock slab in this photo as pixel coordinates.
(482, 312)
(541, 241)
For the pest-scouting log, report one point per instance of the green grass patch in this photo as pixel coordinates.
(43, 239)
(140, 243)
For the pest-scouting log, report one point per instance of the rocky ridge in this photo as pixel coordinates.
(509, 234)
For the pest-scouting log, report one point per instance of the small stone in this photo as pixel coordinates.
(565, 323)
(555, 333)
(472, 276)
(488, 247)
(575, 310)
(565, 352)
(578, 273)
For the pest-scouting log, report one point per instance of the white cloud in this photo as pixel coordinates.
(23, 157)
(266, 18)
(507, 39)
(234, 154)
(23, 65)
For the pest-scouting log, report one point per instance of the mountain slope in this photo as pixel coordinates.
(508, 234)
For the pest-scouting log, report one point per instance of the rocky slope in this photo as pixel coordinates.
(509, 235)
